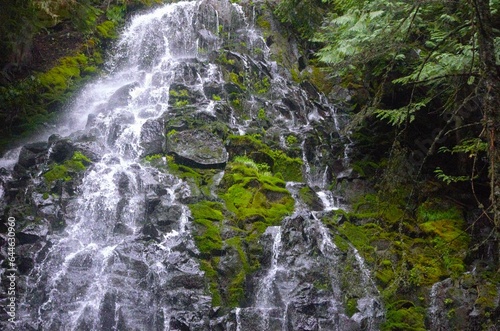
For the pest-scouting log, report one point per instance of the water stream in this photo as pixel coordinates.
(95, 275)
(107, 269)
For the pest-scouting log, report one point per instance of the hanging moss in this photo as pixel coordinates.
(236, 290)
(211, 275)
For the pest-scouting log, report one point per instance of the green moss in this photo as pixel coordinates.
(207, 210)
(57, 172)
(236, 290)
(407, 253)
(63, 76)
(211, 275)
(341, 243)
(278, 161)
(179, 98)
(438, 210)
(253, 200)
(404, 315)
(262, 86)
(373, 206)
(252, 195)
(263, 23)
(222, 59)
(237, 79)
(351, 307)
(207, 217)
(290, 168)
(107, 30)
(307, 195)
(291, 140)
(296, 77)
(261, 115)
(179, 94)
(77, 163)
(153, 158)
(487, 296)
(181, 103)
(209, 242)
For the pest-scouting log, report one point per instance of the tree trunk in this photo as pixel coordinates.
(491, 103)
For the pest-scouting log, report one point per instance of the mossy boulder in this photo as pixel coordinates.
(288, 168)
(197, 148)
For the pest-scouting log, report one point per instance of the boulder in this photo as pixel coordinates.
(61, 150)
(121, 97)
(197, 148)
(30, 153)
(152, 137)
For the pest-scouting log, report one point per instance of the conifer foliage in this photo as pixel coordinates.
(424, 61)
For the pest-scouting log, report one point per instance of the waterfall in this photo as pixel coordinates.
(97, 274)
(114, 248)
(265, 294)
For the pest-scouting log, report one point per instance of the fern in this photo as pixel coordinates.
(450, 179)
(471, 146)
(396, 117)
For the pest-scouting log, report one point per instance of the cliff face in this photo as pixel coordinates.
(197, 186)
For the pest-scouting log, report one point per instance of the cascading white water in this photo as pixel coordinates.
(265, 296)
(108, 270)
(87, 279)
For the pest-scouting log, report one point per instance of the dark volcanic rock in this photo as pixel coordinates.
(152, 137)
(61, 150)
(30, 153)
(197, 148)
(121, 97)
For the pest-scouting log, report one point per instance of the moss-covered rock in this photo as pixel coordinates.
(227, 233)
(289, 168)
(77, 163)
(408, 252)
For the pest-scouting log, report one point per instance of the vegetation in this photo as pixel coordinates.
(77, 163)
(48, 49)
(425, 63)
(423, 84)
(285, 167)
(230, 217)
(424, 80)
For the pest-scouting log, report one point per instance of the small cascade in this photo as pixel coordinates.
(238, 319)
(265, 296)
(437, 312)
(327, 247)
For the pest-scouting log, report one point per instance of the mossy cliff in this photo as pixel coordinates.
(228, 196)
(233, 208)
(421, 262)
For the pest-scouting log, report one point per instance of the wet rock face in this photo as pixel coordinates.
(313, 280)
(463, 303)
(197, 148)
(152, 137)
(122, 222)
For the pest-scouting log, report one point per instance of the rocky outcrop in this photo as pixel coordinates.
(197, 148)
